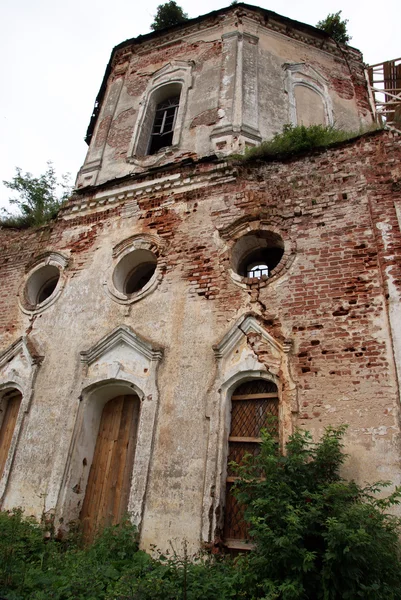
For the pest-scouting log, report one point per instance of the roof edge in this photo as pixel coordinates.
(267, 14)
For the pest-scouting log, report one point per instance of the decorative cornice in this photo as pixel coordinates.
(245, 325)
(122, 334)
(24, 345)
(175, 183)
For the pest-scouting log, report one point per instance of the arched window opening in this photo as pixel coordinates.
(160, 119)
(108, 487)
(9, 408)
(254, 406)
(163, 124)
(257, 270)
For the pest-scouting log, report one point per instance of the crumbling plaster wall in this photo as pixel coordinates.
(239, 90)
(330, 306)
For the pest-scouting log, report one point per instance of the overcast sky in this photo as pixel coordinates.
(54, 55)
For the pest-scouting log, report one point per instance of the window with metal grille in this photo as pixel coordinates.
(254, 406)
(163, 124)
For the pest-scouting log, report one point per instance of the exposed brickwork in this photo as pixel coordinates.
(120, 133)
(208, 117)
(337, 212)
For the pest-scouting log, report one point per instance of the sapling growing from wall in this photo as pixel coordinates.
(335, 27)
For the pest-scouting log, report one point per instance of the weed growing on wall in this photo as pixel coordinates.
(297, 140)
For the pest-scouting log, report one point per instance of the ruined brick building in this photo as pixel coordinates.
(180, 298)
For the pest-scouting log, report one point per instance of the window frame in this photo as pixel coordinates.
(244, 543)
(154, 135)
(7, 418)
(174, 75)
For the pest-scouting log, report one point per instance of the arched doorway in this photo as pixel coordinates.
(254, 406)
(107, 490)
(10, 404)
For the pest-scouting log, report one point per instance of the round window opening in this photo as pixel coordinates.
(134, 271)
(256, 254)
(42, 284)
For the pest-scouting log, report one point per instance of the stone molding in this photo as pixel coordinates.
(305, 75)
(18, 369)
(176, 183)
(55, 259)
(122, 362)
(125, 335)
(247, 351)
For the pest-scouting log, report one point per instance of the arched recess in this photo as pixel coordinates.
(18, 369)
(119, 403)
(108, 440)
(308, 95)
(248, 352)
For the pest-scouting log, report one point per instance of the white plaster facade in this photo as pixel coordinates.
(322, 327)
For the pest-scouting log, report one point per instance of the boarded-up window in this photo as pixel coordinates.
(310, 106)
(254, 407)
(107, 491)
(10, 407)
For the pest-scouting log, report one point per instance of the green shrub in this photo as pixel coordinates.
(39, 198)
(295, 140)
(335, 27)
(317, 536)
(35, 569)
(173, 577)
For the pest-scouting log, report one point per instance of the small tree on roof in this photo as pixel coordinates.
(167, 15)
(335, 27)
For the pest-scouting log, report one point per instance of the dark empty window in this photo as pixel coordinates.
(47, 289)
(139, 277)
(163, 124)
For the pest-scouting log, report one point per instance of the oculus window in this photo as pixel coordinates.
(257, 254)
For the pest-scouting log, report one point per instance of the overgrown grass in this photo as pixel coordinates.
(317, 537)
(297, 140)
(112, 568)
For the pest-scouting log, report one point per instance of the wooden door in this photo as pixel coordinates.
(7, 427)
(107, 491)
(254, 406)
